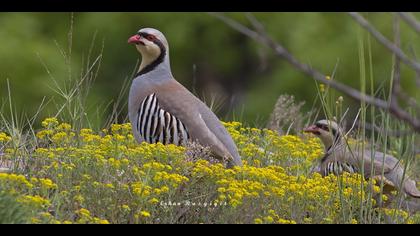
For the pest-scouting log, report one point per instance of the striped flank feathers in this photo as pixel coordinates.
(157, 125)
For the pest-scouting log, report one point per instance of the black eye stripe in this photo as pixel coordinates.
(146, 36)
(321, 126)
(326, 128)
(142, 34)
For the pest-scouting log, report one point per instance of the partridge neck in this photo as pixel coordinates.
(337, 143)
(146, 66)
(158, 75)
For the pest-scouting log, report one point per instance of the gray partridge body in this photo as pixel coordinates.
(162, 110)
(339, 157)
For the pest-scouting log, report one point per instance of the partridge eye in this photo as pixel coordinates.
(323, 127)
(150, 37)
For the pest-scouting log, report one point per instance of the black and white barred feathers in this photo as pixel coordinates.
(337, 168)
(157, 125)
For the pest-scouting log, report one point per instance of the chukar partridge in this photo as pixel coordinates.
(339, 157)
(162, 110)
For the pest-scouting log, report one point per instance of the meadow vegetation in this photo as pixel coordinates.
(86, 176)
(81, 164)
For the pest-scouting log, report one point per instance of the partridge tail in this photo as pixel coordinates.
(411, 189)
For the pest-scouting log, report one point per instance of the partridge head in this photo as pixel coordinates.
(328, 131)
(152, 46)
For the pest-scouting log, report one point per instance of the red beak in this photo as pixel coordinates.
(135, 39)
(311, 129)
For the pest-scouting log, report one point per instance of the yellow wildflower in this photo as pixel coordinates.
(49, 122)
(4, 137)
(145, 213)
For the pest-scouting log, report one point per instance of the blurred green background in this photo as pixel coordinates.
(207, 56)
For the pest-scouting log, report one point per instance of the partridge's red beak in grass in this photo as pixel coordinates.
(312, 129)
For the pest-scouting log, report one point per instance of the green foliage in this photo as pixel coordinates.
(11, 212)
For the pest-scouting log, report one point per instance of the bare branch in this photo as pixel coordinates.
(238, 27)
(280, 51)
(261, 36)
(397, 92)
(384, 41)
(410, 20)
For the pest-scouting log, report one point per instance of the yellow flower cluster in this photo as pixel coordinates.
(85, 217)
(14, 180)
(4, 137)
(252, 185)
(48, 122)
(265, 147)
(85, 176)
(35, 201)
(272, 218)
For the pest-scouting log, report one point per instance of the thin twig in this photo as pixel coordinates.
(354, 122)
(344, 115)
